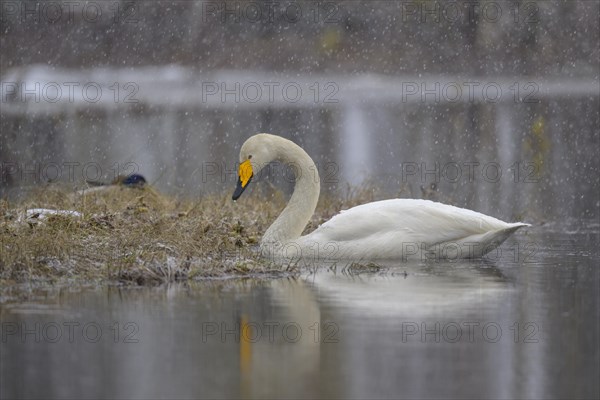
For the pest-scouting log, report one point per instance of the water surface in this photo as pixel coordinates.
(522, 323)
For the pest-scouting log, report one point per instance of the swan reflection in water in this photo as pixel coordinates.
(341, 303)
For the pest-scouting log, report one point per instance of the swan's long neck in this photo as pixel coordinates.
(294, 217)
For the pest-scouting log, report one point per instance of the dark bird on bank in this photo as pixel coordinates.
(133, 181)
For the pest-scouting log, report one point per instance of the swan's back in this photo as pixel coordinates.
(393, 228)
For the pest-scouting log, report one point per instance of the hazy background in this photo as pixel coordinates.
(496, 103)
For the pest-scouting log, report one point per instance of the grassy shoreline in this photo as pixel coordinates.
(137, 236)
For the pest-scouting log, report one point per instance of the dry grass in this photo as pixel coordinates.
(138, 236)
(131, 235)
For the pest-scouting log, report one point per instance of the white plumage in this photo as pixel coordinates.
(408, 228)
(389, 229)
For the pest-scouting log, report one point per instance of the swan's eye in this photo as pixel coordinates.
(250, 156)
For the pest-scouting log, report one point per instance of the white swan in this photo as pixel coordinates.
(389, 229)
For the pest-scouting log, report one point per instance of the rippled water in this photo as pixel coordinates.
(520, 324)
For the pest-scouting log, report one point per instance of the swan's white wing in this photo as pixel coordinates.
(388, 223)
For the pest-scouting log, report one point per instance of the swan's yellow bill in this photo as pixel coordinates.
(245, 172)
(244, 176)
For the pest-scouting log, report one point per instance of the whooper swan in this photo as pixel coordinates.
(389, 229)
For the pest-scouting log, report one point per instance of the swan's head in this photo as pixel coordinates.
(256, 152)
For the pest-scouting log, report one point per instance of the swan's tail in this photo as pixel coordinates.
(481, 244)
(513, 226)
(492, 240)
